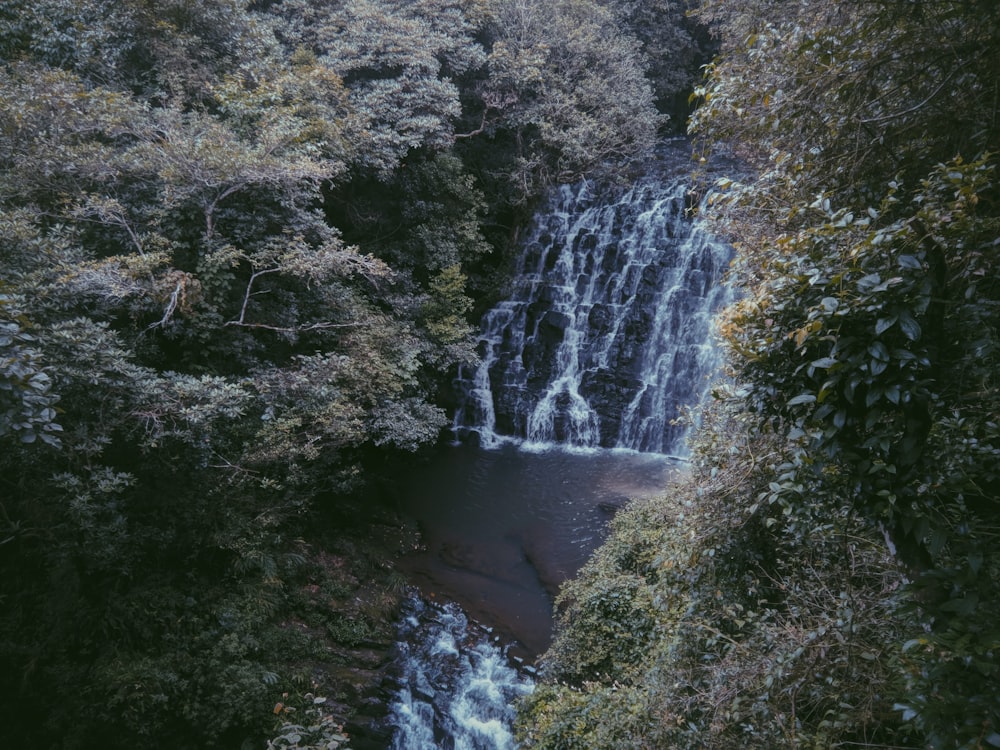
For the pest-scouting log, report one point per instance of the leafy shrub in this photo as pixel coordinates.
(756, 622)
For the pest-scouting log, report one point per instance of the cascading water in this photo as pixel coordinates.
(457, 686)
(606, 336)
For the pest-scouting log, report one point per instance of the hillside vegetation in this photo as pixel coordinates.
(240, 244)
(827, 576)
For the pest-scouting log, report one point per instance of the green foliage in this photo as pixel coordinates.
(827, 575)
(208, 342)
(87, 36)
(238, 243)
(673, 45)
(27, 404)
(569, 85)
(718, 617)
(170, 50)
(442, 208)
(608, 614)
(400, 61)
(868, 336)
(593, 715)
(429, 225)
(446, 312)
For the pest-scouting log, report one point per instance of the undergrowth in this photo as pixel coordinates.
(715, 618)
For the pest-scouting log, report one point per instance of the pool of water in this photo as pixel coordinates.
(503, 528)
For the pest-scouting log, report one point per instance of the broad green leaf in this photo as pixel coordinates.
(802, 398)
(884, 324)
(911, 328)
(879, 351)
(868, 282)
(908, 713)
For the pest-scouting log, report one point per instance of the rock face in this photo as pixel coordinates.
(606, 336)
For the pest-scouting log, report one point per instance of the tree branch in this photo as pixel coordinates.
(915, 107)
(294, 329)
(171, 307)
(477, 131)
(241, 321)
(248, 294)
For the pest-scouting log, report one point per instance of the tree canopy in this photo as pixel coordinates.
(237, 243)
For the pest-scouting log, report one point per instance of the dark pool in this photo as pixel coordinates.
(503, 528)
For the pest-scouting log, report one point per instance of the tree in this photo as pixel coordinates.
(674, 46)
(177, 302)
(568, 84)
(866, 239)
(401, 62)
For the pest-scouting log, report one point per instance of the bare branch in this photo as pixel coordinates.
(171, 307)
(295, 329)
(248, 294)
(477, 131)
(241, 321)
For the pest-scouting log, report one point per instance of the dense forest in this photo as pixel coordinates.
(243, 244)
(827, 575)
(241, 248)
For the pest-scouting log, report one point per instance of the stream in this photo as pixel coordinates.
(580, 401)
(502, 529)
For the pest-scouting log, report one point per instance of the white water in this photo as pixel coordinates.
(457, 686)
(606, 337)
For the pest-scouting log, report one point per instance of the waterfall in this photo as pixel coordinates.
(457, 687)
(603, 341)
(605, 337)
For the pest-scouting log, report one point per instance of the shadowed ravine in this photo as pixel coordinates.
(580, 403)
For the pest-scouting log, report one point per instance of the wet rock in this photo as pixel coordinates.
(641, 278)
(557, 321)
(611, 508)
